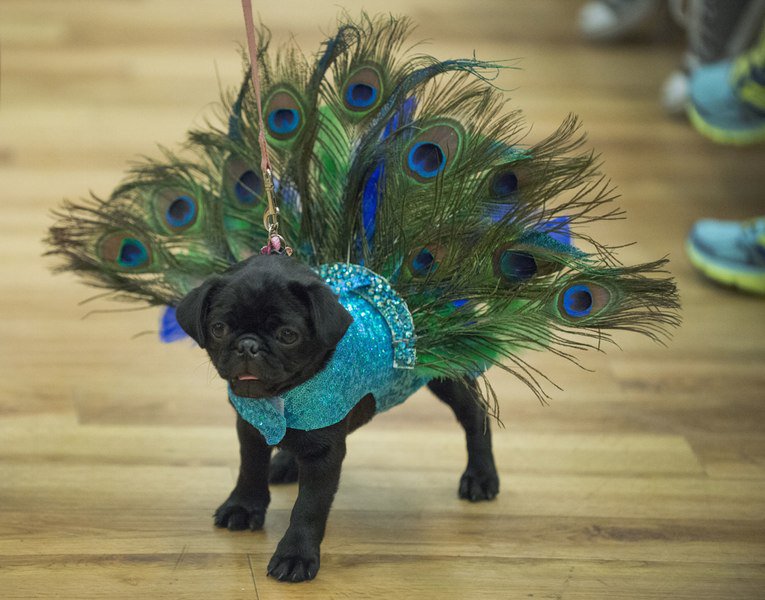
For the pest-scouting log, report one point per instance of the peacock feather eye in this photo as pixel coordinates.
(583, 299)
(363, 90)
(124, 250)
(181, 212)
(426, 159)
(243, 183)
(506, 181)
(425, 260)
(132, 253)
(284, 116)
(248, 187)
(360, 96)
(504, 184)
(177, 210)
(514, 266)
(432, 152)
(283, 121)
(577, 301)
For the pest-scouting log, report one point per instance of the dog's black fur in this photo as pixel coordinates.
(269, 324)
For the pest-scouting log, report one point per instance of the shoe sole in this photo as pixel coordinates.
(722, 135)
(748, 282)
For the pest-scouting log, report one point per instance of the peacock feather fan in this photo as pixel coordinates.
(410, 166)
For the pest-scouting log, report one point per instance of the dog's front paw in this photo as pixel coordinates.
(294, 563)
(477, 485)
(238, 513)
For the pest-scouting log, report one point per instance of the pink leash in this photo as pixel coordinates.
(275, 243)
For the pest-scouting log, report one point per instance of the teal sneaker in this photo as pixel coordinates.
(730, 252)
(727, 98)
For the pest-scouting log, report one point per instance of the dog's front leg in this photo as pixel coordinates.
(319, 455)
(246, 507)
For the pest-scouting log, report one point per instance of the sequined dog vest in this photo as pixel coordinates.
(376, 356)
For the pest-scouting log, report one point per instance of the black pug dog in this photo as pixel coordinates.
(270, 323)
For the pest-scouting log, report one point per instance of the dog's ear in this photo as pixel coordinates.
(330, 319)
(191, 311)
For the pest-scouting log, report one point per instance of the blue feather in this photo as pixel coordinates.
(558, 229)
(371, 193)
(169, 329)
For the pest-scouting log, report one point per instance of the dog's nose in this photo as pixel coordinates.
(248, 347)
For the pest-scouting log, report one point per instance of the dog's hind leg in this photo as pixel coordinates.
(284, 468)
(480, 480)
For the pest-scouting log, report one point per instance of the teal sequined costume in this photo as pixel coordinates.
(376, 356)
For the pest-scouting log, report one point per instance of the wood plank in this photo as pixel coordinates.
(129, 576)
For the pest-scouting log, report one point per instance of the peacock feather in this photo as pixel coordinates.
(407, 165)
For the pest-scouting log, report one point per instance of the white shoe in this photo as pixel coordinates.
(608, 20)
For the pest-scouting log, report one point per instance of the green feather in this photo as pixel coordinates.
(466, 217)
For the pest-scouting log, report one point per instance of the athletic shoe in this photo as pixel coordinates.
(730, 252)
(727, 98)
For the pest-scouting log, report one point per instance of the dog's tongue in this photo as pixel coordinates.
(247, 378)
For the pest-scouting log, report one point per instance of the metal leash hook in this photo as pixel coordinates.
(276, 243)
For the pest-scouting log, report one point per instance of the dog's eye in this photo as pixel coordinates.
(287, 336)
(219, 329)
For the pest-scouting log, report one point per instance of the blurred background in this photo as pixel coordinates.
(647, 475)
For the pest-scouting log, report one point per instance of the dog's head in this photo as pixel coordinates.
(269, 323)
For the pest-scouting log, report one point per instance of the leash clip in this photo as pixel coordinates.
(276, 244)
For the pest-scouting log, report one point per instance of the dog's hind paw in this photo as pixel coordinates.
(479, 485)
(237, 514)
(283, 468)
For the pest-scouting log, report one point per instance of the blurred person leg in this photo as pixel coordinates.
(716, 29)
(727, 105)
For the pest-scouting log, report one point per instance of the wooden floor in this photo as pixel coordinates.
(644, 479)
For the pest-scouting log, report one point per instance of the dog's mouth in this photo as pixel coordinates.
(258, 381)
(247, 377)
(252, 385)
(248, 386)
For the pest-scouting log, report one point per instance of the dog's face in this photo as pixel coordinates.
(269, 323)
